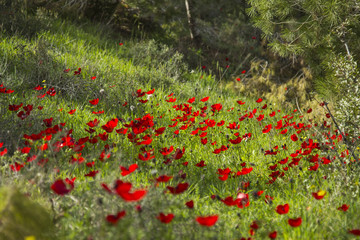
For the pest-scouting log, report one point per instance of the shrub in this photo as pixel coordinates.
(348, 107)
(21, 217)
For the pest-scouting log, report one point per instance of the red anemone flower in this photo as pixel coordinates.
(273, 235)
(51, 92)
(60, 188)
(254, 225)
(355, 232)
(113, 219)
(94, 101)
(25, 150)
(78, 72)
(244, 171)
(191, 100)
(110, 125)
(260, 117)
(204, 99)
(122, 131)
(126, 171)
(15, 107)
(150, 91)
(319, 194)
(294, 137)
(284, 131)
(229, 201)
(190, 204)
(164, 178)
(123, 190)
(344, 207)
(71, 112)
(180, 188)
(92, 173)
(98, 112)
(165, 218)
(160, 131)
(267, 128)
(216, 107)
(282, 209)
(48, 122)
(295, 222)
(178, 153)
(146, 156)
(166, 151)
(207, 221)
(93, 123)
(16, 167)
(171, 100)
(200, 164)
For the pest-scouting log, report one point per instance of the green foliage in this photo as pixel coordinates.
(42, 60)
(20, 217)
(120, 71)
(17, 17)
(313, 30)
(321, 33)
(347, 74)
(222, 28)
(224, 34)
(262, 80)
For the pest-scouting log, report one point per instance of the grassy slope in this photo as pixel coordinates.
(120, 71)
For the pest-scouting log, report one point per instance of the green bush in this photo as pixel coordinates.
(348, 106)
(20, 217)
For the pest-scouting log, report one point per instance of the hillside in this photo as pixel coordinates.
(117, 138)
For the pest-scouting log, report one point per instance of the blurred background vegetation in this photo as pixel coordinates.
(291, 50)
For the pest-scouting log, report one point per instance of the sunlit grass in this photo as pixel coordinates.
(120, 71)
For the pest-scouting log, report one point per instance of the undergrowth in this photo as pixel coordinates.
(160, 124)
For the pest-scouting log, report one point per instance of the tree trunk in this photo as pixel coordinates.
(193, 35)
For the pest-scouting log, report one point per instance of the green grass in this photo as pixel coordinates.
(120, 71)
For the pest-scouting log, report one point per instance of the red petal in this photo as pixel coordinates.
(273, 235)
(204, 99)
(355, 232)
(59, 187)
(113, 219)
(295, 222)
(207, 221)
(165, 218)
(190, 204)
